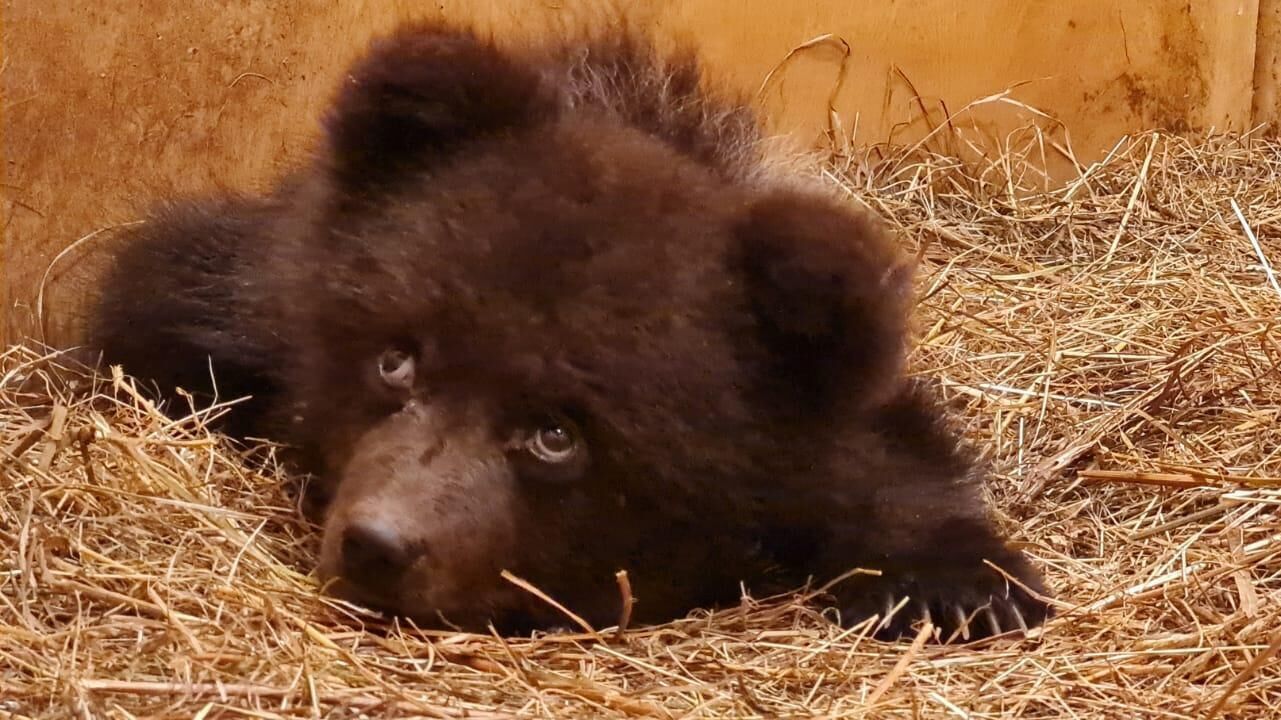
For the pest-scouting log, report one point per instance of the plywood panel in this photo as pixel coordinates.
(107, 104)
(1104, 69)
(110, 104)
(1267, 64)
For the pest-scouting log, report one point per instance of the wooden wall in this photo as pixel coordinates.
(107, 104)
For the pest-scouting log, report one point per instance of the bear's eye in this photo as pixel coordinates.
(556, 442)
(396, 368)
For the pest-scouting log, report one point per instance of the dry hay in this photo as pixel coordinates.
(1112, 342)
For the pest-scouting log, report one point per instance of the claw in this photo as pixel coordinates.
(886, 613)
(962, 622)
(1018, 616)
(927, 619)
(992, 621)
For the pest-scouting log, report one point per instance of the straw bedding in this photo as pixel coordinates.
(1112, 343)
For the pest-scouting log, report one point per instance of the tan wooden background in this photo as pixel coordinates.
(107, 104)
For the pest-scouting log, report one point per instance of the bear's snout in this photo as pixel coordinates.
(422, 537)
(375, 555)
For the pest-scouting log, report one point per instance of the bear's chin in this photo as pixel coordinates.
(466, 616)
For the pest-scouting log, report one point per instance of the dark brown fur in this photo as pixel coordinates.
(575, 235)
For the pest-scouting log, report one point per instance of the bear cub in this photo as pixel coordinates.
(559, 310)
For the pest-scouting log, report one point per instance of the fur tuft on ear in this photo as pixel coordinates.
(831, 296)
(420, 92)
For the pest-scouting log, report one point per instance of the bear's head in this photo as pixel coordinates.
(555, 324)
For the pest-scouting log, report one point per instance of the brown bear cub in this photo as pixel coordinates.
(555, 310)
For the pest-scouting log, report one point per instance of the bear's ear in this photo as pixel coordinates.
(830, 294)
(419, 92)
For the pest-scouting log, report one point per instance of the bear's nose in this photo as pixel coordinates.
(374, 555)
